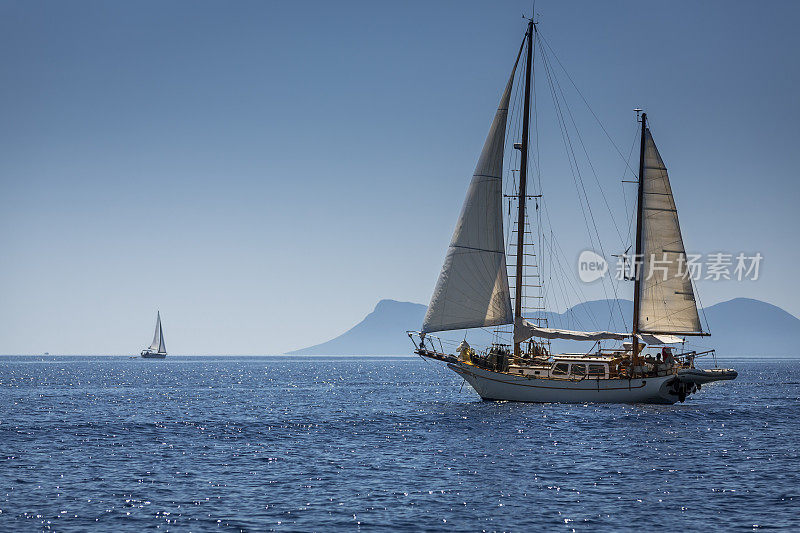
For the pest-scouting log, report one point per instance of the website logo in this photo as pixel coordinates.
(591, 266)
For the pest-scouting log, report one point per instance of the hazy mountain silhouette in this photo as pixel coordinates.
(382, 332)
(739, 327)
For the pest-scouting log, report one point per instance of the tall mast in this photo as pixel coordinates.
(637, 260)
(523, 186)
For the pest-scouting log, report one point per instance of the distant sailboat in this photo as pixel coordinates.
(157, 349)
(473, 291)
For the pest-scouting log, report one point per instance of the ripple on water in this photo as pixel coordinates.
(312, 443)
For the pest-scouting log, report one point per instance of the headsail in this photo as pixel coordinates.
(667, 303)
(472, 290)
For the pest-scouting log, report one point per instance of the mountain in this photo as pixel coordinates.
(382, 332)
(739, 327)
(743, 326)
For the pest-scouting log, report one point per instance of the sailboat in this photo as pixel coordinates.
(157, 349)
(473, 291)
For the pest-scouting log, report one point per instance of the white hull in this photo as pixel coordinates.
(499, 386)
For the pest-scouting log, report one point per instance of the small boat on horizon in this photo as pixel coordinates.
(157, 349)
(473, 289)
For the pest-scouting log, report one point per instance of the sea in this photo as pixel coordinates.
(381, 444)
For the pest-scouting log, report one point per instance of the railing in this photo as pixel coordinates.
(682, 360)
(421, 345)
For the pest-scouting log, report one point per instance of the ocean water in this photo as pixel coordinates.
(241, 444)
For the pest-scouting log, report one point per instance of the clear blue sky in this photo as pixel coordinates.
(264, 172)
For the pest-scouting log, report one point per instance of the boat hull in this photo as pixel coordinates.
(494, 386)
(154, 355)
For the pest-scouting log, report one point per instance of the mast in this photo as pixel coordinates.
(523, 186)
(637, 260)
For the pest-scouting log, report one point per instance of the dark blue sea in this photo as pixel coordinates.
(380, 444)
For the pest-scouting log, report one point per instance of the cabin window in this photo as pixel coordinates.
(560, 369)
(597, 370)
(578, 369)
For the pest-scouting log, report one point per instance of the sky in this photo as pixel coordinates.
(264, 172)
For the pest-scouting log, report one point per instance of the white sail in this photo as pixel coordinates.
(651, 338)
(666, 297)
(524, 330)
(472, 289)
(161, 346)
(157, 335)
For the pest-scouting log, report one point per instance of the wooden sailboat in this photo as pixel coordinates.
(157, 348)
(473, 291)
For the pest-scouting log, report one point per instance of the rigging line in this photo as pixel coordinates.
(632, 210)
(555, 85)
(564, 134)
(557, 253)
(512, 129)
(512, 124)
(512, 133)
(581, 296)
(553, 259)
(697, 294)
(514, 162)
(575, 171)
(549, 285)
(591, 214)
(591, 166)
(547, 44)
(526, 218)
(562, 287)
(556, 104)
(519, 290)
(612, 141)
(554, 285)
(537, 159)
(556, 256)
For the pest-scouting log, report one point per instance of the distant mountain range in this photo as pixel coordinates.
(739, 327)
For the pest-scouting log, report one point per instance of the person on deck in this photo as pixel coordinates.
(666, 353)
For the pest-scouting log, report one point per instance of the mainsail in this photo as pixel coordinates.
(472, 290)
(158, 338)
(666, 297)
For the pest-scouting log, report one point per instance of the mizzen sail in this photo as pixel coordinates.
(472, 290)
(667, 303)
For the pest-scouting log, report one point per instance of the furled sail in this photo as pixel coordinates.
(158, 337)
(472, 290)
(651, 338)
(666, 297)
(524, 330)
